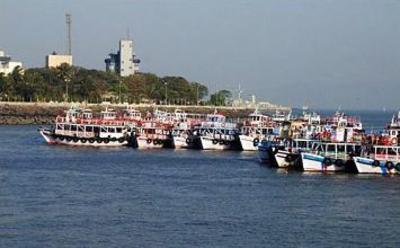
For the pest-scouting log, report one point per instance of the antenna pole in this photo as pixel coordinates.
(69, 42)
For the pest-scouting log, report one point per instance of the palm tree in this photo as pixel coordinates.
(65, 73)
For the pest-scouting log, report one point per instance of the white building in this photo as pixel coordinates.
(124, 62)
(6, 65)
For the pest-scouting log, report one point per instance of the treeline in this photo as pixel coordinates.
(77, 84)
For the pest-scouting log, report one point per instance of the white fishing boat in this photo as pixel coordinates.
(79, 128)
(181, 136)
(382, 156)
(256, 128)
(384, 160)
(328, 157)
(216, 134)
(152, 134)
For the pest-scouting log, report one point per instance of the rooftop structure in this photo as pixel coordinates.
(54, 60)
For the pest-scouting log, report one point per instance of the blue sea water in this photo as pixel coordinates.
(56, 196)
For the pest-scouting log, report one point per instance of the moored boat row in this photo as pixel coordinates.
(309, 142)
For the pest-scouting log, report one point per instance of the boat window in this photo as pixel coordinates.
(66, 127)
(111, 130)
(330, 148)
(89, 129)
(73, 127)
(119, 130)
(392, 151)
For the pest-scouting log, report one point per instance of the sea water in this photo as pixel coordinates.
(58, 196)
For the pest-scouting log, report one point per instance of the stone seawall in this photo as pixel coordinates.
(20, 113)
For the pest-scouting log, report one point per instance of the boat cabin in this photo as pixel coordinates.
(108, 114)
(387, 153)
(336, 150)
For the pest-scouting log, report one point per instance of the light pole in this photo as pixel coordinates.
(66, 89)
(197, 95)
(166, 93)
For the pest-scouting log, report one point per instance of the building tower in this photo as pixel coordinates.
(124, 62)
(126, 58)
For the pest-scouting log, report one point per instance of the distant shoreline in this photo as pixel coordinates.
(42, 113)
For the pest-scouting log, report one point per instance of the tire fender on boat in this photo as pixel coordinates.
(215, 141)
(187, 141)
(83, 140)
(121, 140)
(91, 140)
(339, 163)
(106, 140)
(327, 162)
(256, 141)
(389, 165)
(289, 158)
(148, 141)
(376, 163)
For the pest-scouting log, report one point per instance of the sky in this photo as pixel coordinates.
(319, 53)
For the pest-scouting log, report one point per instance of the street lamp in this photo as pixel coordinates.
(166, 92)
(197, 95)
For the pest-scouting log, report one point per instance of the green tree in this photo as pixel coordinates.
(220, 98)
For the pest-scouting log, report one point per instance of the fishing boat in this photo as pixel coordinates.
(152, 134)
(256, 128)
(329, 156)
(382, 156)
(287, 153)
(216, 134)
(79, 128)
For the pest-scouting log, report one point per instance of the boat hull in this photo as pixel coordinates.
(316, 163)
(365, 166)
(179, 142)
(247, 143)
(50, 138)
(145, 143)
(285, 159)
(207, 143)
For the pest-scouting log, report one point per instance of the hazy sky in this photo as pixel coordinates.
(321, 53)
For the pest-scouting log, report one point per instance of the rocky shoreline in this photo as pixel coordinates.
(18, 113)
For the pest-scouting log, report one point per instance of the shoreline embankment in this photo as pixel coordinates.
(25, 113)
